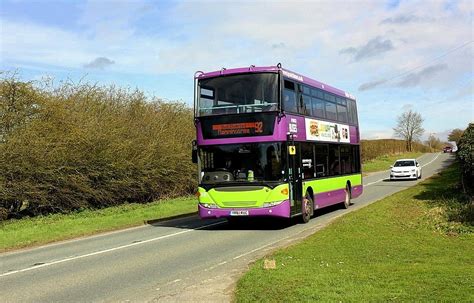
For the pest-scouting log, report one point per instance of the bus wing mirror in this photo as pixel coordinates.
(194, 154)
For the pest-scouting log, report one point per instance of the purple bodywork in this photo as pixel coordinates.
(281, 129)
(281, 210)
(332, 197)
(283, 125)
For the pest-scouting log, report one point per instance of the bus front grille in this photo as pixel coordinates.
(238, 203)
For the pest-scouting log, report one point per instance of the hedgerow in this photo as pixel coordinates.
(371, 149)
(74, 146)
(465, 155)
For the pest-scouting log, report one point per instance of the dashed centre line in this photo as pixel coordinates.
(41, 265)
(371, 183)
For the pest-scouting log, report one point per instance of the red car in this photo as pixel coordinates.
(448, 149)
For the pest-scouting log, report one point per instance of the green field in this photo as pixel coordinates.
(383, 162)
(41, 230)
(417, 245)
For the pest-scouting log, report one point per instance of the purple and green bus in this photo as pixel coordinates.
(271, 142)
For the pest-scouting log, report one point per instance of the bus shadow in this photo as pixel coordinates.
(255, 223)
(194, 222)
(326, 210)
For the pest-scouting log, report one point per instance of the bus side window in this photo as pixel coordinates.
(331, 112)
(356, 159)
(289, 97)
(321, 153)
(346, 159)
(334, 161)
(307, 108)
(318, 108)
(307, 160)
(342, 113)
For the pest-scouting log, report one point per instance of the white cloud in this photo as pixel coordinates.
(304, 36)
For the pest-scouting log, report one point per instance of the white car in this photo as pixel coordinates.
(405, 169)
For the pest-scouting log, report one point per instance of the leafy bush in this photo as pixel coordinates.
(79, 146)
(465, 154)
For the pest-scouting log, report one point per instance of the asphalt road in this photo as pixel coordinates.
(179, 260)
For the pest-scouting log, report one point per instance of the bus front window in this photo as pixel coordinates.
(242, 162)
(246, 93)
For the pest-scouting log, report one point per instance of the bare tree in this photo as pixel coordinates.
(434, 142)
(409, 127)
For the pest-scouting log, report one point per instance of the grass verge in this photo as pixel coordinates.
(40, 230)
(383, 162)
(417, 245)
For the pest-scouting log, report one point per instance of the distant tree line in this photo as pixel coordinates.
(74, 146)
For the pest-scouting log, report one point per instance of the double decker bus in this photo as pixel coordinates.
(271, 142)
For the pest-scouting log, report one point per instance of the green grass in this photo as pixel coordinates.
(383, 162)
(417, 245)
(40, 230)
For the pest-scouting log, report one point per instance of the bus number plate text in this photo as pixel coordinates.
(239, 213)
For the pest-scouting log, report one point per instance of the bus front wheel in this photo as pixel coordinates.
(307, 208)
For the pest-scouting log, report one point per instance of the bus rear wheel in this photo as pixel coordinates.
(306, 208)
(347, 199)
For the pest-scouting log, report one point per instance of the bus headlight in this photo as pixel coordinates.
(209, 205)
(270, 204)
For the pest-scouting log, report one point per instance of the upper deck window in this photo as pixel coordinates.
(243, 93)
(289, 97)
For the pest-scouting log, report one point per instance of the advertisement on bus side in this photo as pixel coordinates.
(317, 130)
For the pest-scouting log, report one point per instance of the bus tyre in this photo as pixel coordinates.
(347, 199)
(306, 208)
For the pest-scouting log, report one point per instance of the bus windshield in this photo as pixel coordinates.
(245, 93)
(242, 162)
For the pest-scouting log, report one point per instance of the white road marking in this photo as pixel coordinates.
(371, 183)
(259, 248)
(284, 238)
(107, 250)
(432, 160)
(164, 237)
(317, 226)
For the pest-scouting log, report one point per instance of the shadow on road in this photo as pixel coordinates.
(239, 223)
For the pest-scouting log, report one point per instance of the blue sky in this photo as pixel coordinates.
(392, 55)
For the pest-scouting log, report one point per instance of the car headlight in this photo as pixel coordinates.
(413, 170)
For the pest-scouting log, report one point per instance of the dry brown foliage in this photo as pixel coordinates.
(372, 149)
(75, 146)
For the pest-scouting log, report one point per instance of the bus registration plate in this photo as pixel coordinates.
(239, 213)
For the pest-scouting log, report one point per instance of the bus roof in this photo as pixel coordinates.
(274, 69)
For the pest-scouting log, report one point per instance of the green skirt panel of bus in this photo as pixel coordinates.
(243, 196)
(332, 184)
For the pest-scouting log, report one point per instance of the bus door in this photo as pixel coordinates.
(294, 177)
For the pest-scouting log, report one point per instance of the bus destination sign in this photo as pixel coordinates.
(243, 128)
(238, 126)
